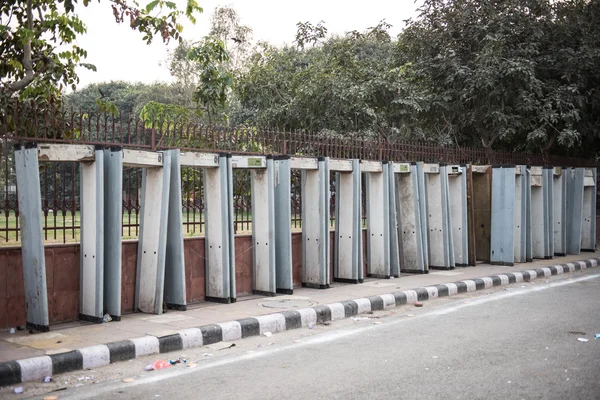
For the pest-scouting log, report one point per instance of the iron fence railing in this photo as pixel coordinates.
(60, 182)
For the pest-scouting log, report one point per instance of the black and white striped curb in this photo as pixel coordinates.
(36, 368)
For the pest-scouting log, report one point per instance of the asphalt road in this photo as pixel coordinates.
(520, 343)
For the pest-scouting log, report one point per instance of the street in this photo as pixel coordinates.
(515, 342)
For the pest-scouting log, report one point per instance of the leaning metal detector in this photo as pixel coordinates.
(457, 203)
(575, 189)
(315, 221)
(152, 242)
(412, 253)
(441, 250)
(503, 215)
(263, 220)
(218, 220)
(559, 210)
(522, 212)
(283, 225)
(348, 258)
(32, 239)
(378, 210)
(588, 222)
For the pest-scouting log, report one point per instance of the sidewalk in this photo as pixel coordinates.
(66, 337)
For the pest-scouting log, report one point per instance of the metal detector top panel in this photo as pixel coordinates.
(199, 160)
(453, 169)
(431, 168)
(304, 163)
(401, 168)
(479, 169)
(371, 166)
(142, 159)
(340, 165)
(65, 152)
(250, 162)
(536, 171)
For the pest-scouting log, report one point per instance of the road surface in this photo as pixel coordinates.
(515, 342)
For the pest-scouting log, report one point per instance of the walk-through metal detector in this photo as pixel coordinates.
(559, 211)
(174, 287)
(284, 280)
(441, 248)
(315, 220)
(575, 187)
(152, 242)
(522, 213)
(218, 219)
(481, 205)
(378, 210)
(347, 255)
(588, 222)
(393, 221)
(541, 213)
(412, 250)
(502, 248)
(262, 179)
(32, 239)
(457, 202)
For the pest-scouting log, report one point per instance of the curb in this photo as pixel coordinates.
(36, 368)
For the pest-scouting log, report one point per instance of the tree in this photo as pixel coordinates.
(512, 74)
(341, 84)
(39, 51)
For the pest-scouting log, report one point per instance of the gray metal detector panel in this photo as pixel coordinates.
(528, 241)
(32, 239)
(520, 221)
(559, 211)
(548, 192)
(412, 254)
(315, 226)
(538, 218)
(588, 218)
(347, 257)
(378, 242)
(218, 240)
(457, 192)
(152, 244)
(393, 222)
(503, 215)
(91, 295)
(283, 226)
(175, 291)
(113, 222)
(575, 178)
(438, 219)
(263, 229)
(422, 197)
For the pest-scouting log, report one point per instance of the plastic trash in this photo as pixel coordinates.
(597, 335)
(149, 367)
(418, 304)
(19, 390)
(107, 318)
(583, 339)
(228, 347)
(173, 362)
(160, 364)
(207, 355)
(267, 334)
(128, 380)
(311, 325)
(12, 331)
(51, 398)
(47, 379)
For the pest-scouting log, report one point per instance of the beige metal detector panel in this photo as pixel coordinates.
(65, 152)
(435, 215)
(371, 166)
(340, 165)
(139, 158)
(304, 163)
(199, 160)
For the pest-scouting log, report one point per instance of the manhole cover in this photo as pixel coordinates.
(288, 303)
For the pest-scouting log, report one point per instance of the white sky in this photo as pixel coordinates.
(120, 54)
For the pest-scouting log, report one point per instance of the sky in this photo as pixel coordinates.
(119, 53)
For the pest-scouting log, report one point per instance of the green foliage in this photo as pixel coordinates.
(214, 80)
(39, 51)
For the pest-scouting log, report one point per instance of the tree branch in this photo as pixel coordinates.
(27, 63)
